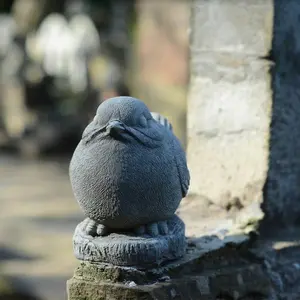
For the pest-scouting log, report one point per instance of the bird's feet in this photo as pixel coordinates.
(153, 229)
(90, 227)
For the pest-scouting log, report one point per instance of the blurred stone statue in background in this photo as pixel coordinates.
(23, 19)
(49, 64)
(64, 46)
(55, 71)
(7, 30)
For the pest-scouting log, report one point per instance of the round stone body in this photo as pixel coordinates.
(123, 185)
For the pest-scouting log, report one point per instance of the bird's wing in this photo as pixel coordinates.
(179, 155)
(181, 164)
(162, 120)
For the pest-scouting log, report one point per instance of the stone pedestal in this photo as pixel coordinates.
(128, 249)
(211, 268)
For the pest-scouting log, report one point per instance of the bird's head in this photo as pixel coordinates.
(125, 119)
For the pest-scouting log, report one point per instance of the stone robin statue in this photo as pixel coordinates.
(129, 171)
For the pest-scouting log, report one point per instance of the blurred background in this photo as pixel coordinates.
(58, 61)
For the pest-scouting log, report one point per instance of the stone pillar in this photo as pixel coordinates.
(229, 103)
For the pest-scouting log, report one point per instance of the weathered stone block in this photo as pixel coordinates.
(230, 99)
(203, 274)
(228, 135)
(233, 26)
(229, 169)
(229, 94)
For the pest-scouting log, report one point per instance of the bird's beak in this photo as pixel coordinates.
(115, 127)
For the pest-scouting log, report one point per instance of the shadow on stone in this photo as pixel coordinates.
(281, 191)
(280, 260)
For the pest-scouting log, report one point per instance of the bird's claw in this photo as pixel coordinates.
(153, 229)
(92, 228)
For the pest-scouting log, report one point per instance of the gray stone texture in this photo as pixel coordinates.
(232, 26)
(229, 104)
(282, 191)
(128, 170)
(128, 249)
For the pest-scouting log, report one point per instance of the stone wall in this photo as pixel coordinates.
(229, 103)
(161, 58)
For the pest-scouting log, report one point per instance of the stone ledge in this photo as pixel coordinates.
(211, 268)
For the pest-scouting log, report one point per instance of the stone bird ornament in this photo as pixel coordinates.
(129, 171)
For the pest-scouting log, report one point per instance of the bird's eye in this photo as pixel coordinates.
(143, 121)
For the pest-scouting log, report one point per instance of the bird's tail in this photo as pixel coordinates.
(162, 120)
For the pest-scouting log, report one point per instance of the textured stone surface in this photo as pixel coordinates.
(130, 249)
(233, 26)
(231, 93)
(128, 170)
(211, 269)
(224, 175)
(282, 194)
(229, 103)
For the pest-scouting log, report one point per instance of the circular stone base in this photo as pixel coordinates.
(127, 249)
